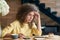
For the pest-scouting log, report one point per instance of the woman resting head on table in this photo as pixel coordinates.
(25, 25)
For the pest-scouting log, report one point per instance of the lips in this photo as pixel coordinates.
(30, 20)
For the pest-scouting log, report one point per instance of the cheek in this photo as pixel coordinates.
(28, 17)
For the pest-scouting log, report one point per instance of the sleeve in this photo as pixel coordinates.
(6, 30)
(35, 31)
(14, 27)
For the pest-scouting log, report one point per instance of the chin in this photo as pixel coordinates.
(29, 21)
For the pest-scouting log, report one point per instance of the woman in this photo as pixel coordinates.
(25, 25)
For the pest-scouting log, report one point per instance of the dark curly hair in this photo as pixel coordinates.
(24, 10)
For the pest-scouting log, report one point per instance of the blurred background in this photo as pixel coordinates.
(49, 11)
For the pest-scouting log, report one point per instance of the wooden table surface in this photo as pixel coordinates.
(10, 39)
(56, 37)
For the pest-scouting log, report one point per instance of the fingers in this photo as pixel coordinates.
(7, 36)
(37, 14)
(21, 36)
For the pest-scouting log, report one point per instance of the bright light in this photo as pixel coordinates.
(4, 7)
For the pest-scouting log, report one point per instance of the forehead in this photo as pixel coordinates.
(32, 13)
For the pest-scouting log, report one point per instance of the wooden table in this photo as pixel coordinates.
(56, 37)
(12, 39)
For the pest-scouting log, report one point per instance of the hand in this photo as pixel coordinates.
(8, 35)
(37, 15)
(21, 35)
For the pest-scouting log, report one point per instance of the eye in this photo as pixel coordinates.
(29, 15)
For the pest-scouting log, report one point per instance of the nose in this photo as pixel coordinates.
(31, 17)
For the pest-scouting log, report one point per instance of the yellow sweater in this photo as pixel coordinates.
(15, 28)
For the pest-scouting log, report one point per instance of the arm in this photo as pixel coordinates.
(7, 30)
(36, 31)
(37, 28)
(14, 28)
(37, 17)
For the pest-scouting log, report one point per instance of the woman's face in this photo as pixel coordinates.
(29, 16)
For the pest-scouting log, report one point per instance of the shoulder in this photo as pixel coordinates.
(16, 22)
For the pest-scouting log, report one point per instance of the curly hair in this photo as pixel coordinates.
(24, 10)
